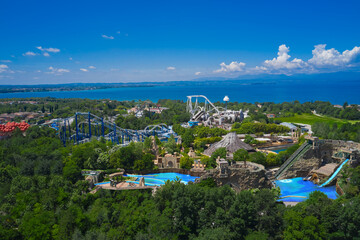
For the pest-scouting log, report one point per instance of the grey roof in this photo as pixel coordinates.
(231, 142)
(289, 125)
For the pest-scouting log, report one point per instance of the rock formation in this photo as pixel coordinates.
(239, 177)
(318, 156)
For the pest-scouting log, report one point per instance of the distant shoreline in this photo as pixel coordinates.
(60, 89)
(97, 86)
(238, 91)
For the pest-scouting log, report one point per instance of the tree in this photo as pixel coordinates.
(209, 162)
(220, 233)
(349, 218)
(71, 171)
(187, 138)
(170, 145)
(157, 141)
(43, 167)
(248, 139)
(257, 236)
(148, 144)
(27, 168)
(303, 228)
(209, 182)
(125, 157)
(37, 224)
(145, 163)
(241, 155)
(220, 152)
(186, 162)
(258, 157)
(271, 160)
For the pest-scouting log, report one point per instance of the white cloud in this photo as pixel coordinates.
(232, 67)
(84, 69)
(170, 68)
(282, 61)
(3, 68)
(6, 61)
(52, 50)
(46, 54)
(321, 58)
(29, 54)
(107, 37)
(197, 73)
(70, 58)
(58, 71)
(331, 57)
(260, 69)
(92, 67)
(62, 70)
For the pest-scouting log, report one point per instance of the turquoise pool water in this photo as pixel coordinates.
(279, 150)
(300, 189)
(157, 179)
(101, 183)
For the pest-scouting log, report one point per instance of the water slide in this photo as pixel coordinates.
(334, 174)
(293, 158)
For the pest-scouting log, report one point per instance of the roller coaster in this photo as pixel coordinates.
(202, 109)
(82, 127)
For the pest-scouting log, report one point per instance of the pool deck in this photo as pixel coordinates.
(124, 186)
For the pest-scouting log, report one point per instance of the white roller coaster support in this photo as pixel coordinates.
(208, 112)
(196, 108)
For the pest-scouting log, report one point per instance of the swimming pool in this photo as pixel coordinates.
(157, 179)
(299, 189)
(278, 150)
(101, 183)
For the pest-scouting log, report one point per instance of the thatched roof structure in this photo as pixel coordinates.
(231, 142)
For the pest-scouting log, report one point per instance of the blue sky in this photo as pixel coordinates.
(131, 41)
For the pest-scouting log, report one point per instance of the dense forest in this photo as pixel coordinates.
(44, 196)
(345, 131)
(287, 109)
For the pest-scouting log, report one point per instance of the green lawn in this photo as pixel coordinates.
(307, 118)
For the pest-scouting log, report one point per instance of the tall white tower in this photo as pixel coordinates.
(226, 100)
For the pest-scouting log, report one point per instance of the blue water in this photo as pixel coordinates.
(337, 92)
(157, 179)
(301, 188)
(101, 183)
(279, 150)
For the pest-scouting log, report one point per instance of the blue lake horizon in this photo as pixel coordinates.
(336, 92)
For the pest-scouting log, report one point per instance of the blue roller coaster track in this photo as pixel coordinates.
(82, 127)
